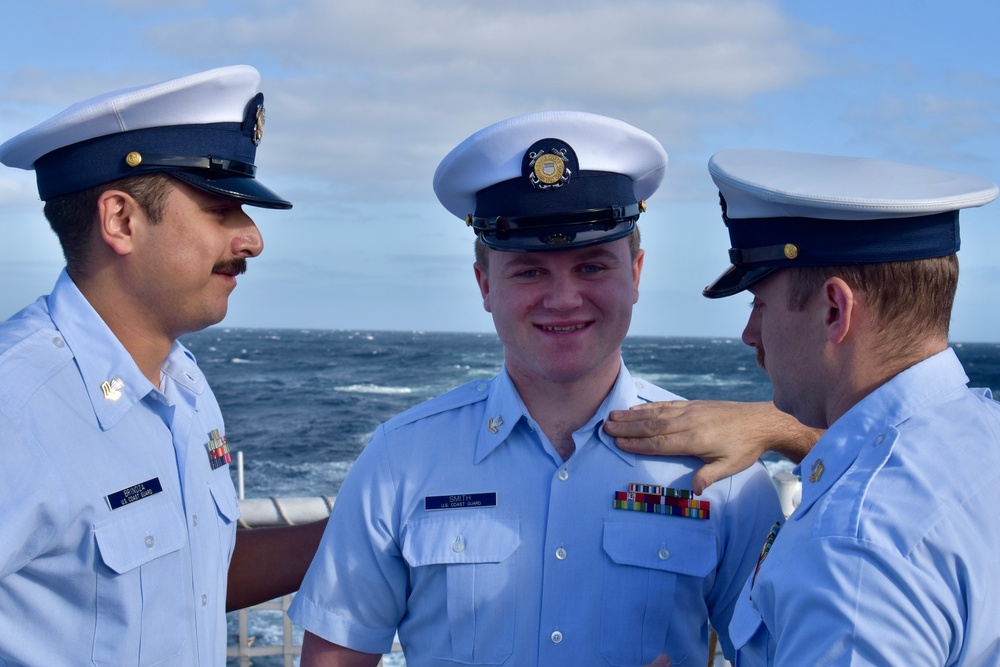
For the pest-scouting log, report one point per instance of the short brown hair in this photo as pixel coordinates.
(909, 300)
(72, 215)
(483, 251)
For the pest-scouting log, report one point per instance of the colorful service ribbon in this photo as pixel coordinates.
(218, 449)
(661, 500)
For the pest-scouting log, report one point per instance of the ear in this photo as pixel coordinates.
(841, 304)
(484, 286)
(117, 214)
(636, 273)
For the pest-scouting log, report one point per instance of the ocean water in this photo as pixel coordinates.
(301, 404)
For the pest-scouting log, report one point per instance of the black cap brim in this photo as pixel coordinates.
(735, 279)
(245, 189)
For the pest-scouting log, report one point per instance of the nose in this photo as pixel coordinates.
(247, 241)
(563, 294)
(751, 332)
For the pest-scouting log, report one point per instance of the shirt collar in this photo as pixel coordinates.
(113, 380)
(505, 409)
(876, 416)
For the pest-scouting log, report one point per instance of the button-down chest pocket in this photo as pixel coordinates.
(653, 573)
(228, 507)
(748, 633)
(139, 599)
(470, 555)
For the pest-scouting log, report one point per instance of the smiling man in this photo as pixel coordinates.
(119, 513)
(498, 524)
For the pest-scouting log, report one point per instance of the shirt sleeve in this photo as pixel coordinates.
(354, 593)
(751, 509)
(31, 496)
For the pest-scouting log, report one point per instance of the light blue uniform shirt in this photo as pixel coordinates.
(892, 556)
(548, 572)
(80, 583)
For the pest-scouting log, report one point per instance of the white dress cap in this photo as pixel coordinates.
(800, 209)
(203, 128)
(597, 164)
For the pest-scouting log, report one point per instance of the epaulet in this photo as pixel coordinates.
(28, 359)
(649, 392)
(467, 394)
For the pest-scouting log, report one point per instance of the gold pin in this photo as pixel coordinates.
(258, 128)
(112, 389)
(817, 470)
(791, 250)
(133, 159)
(494, 424)
(549, 168)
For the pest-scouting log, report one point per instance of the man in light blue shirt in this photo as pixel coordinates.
(119, 514)
(890, 559)
(498, 524)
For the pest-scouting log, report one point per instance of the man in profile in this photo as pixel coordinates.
(890, 559)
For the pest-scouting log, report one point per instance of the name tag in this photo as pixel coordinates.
(133, 493)
(460, 501)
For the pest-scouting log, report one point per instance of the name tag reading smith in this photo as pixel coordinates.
(460, 501)
(133, 493)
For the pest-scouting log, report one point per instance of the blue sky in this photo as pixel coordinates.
(364, 98)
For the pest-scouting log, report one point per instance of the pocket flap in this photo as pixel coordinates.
(473, 538)
(139, 535)
(224, 494)
(661, 544)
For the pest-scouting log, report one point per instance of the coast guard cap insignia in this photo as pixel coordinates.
(258, 127)
(549, 168)
(112, 389)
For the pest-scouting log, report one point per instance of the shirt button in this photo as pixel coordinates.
(58, 342)
(880, 439)
(150, 541)
(204, 600)
(194, 519)
(561, 553)
(481, 387)
(458, 547)
(556, 637)
(663, 554)
(563, 474)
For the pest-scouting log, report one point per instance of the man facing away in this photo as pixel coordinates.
(890, 559)
(119, 518)
(498, 524)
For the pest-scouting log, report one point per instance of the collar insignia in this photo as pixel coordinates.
(112, 388)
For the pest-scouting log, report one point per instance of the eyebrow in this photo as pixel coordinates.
(530, 259)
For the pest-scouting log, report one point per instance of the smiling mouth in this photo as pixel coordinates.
(566, 329)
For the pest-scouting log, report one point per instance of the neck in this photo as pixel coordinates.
(561, 408)
(863, 373)
(131, 325)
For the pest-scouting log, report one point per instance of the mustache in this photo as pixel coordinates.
(759, 353)
(233, 267)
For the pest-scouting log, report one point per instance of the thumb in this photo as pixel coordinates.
(706, 476)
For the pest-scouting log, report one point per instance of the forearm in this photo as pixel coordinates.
(268, 563)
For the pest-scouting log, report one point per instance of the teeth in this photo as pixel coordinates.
(573, 327)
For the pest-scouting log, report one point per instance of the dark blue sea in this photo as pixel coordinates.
(301, 404)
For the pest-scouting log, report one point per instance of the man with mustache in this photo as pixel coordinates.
(890, 559)
(498, 524)
(119, 514)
